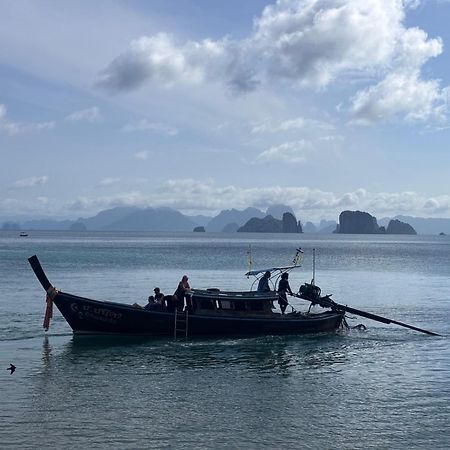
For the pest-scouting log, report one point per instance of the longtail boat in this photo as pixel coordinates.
(207, 312)
(212, 312)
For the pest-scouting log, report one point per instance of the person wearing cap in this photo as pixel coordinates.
(283, 290)
(263, 284)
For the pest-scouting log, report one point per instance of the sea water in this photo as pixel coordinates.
(384, 388)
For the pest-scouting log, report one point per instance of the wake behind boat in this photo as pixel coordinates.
(212, 312)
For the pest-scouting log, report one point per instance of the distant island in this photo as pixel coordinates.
(268, 224)
(276, 219)
(359, 222)
(398, 227)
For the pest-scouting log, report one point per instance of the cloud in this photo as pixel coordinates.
(30, 205)
(194, 196)
(310, 43)
(108, 181)
(189, 194)
(13, 128)
(298, 123)
(401, 95)
(160, 59)
(30, 182)
(437, 205)
(269, 127)
(313, 41)
(85, 115)
(143, 155)
(402, 92)
(291, 152)
(41, 200)
(90, 205)
(145, 125)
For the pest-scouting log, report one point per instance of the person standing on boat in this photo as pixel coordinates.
(283, 290)
(263, 284)
(183, 292)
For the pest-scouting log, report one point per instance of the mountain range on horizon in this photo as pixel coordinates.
(164, 219)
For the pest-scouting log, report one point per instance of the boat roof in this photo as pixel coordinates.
(216, 294)
(273, 269)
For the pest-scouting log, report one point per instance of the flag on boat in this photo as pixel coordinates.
(298, 256)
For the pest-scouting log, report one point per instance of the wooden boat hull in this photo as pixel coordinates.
(86, 316)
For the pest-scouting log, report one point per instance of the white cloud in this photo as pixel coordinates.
(108, 181)
(30, 205)
(93, 205)
(31, 182)
(270, 127)
(312, 43)
(41, 200)
(402, 95)
(13, 128)
(296, 124)
(315, 41)
(291, 152)
(437, 205)
(143, 155)
(207, 197)
(85, 115)
(402, 92)
(145, 125)
(160, 59)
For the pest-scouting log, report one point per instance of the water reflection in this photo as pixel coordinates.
(46, 352)
(203, 386)
(268, 355)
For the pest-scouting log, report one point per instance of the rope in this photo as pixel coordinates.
(52, 292)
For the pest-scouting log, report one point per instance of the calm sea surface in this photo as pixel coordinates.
(386, 388)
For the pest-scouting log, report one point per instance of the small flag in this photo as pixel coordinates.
(298, 256)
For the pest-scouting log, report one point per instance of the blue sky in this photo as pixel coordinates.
(323, 105)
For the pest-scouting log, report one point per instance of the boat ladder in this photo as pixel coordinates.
(181, 324)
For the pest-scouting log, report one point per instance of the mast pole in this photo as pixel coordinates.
(314, 267)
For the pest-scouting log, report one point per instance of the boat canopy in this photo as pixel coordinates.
(273, 269)
(217, 294)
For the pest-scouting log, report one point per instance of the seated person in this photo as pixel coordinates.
(263, 284)
(159, 297)
(155, 302)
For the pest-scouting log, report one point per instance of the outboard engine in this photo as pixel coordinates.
(309, 292)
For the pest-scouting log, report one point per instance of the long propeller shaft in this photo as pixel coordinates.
(326, 302)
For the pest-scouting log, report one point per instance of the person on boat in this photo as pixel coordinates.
(183, 292)
(263, 284)
(155, 302)
(283, 290)
(159, 296)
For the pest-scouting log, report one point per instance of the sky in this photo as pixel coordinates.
(199, 105)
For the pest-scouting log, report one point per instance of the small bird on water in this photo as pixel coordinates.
(12, 368)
